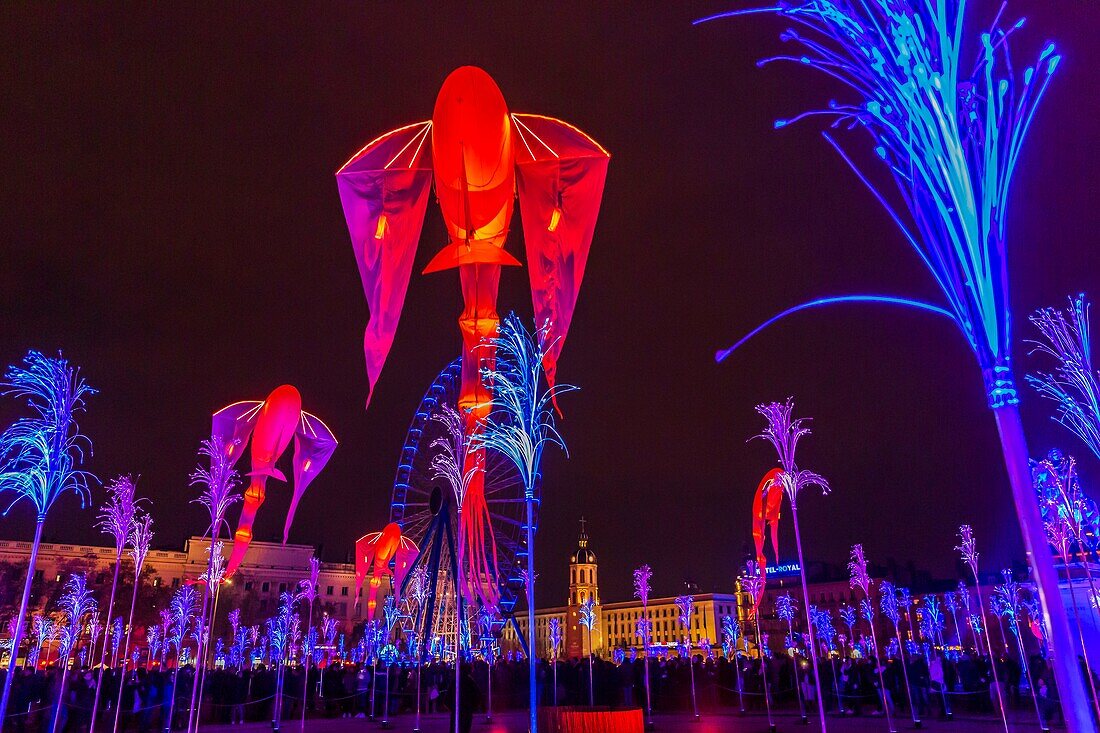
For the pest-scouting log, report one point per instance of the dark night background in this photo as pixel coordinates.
(170, 220)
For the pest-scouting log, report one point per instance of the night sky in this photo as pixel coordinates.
(170, 221)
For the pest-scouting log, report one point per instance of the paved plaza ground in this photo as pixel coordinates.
(516, 722)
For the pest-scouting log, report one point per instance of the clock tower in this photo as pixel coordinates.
(583, 585)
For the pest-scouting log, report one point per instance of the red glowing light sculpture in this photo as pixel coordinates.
(271, 424)
(479, 156)
(766, 506)
(375, 551)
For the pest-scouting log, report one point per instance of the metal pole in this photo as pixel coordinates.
(1067, 674)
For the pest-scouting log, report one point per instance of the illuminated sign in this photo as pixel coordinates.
(788, 568)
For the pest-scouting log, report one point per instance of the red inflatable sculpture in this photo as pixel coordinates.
(765, 514)
(271, 424)
(375, 551)
(480, 157)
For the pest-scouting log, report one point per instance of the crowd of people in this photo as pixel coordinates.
(849, 687)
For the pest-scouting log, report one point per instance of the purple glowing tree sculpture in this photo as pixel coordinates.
(329, 627)
(1034, 612)
(418, 591)
(951, 605)
(949, 134)
(1007, 603)
(116, 639)
(372, 637)
(95, 630)
(165, 635)
(282, 630)
(486, 619)
(826, 632)
(786, 608)
(849, 617)
(212, 577)
(520, 427)
(237, 634)
(1074, 385)
(182, 618)
(932, 625)
(40, 459)
(731, 630)
(141, 537)
(1069, 518)
(968, 549)
(905, 603)
(76, 602)
(116, 518)
(153, 642)
(588, 620)
(218, 492)
(753, 582)
(642, 577)
(449, 464)
(307, 591)
(784, 432)
(888, 602)
(962, 595)
(685, 605)
(860, 578)
(42, 627)
(391, 613)
(555, 651)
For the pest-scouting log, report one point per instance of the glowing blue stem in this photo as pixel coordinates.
(732, 13)
(890, 299)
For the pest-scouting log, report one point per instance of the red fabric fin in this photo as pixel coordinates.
(474, 253)
(561, 174)
(364, 558)
(384, 192)
(314, 444)
(233, 425)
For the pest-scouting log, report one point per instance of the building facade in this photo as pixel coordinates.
(616, 626)
(268, 569)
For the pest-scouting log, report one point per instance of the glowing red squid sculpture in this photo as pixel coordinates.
(270, 425)
(375, 551)
(480, 157)
(765, 514)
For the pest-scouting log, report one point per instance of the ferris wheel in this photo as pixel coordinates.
(426, 510)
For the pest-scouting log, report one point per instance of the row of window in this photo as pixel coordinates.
(265, 587)
(339, 610)
(590, 573)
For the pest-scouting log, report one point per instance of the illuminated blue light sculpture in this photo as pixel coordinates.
(968, 551)
(949, 135)
(182, 614)
(520, 427)
(1073, 385)
(931, 626)
(40, 458)
(731, 634)
(115, 519)
(76, 602)
(685, 605)
(1007, 603)
(588, 621)
(786, 608)
(889, 602)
